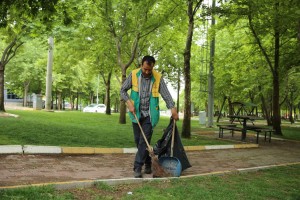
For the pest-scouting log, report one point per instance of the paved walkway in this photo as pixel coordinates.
(32, 169)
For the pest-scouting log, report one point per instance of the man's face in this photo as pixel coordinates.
(147, 69)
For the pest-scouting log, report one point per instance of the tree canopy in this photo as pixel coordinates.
(257, 48)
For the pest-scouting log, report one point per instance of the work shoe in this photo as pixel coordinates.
(137, 173)
(148, 169)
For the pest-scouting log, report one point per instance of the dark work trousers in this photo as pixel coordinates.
(142, 156)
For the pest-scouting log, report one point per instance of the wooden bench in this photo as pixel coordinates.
(257, 129)
(231, 127)
(261, 129)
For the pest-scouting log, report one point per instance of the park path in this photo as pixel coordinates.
(33, 169)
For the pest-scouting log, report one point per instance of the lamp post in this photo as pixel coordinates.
(210, 109)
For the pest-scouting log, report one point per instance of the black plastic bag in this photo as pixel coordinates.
(163, 146)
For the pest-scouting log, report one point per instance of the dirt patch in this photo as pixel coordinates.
(30, 169)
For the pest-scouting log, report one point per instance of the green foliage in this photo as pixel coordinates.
(87, 35)
(27, 68)
(13, 10)
(243, 65)
(241, 68)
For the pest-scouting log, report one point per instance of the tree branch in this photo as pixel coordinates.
(198, 4)
(159, 24)
(9, 52)
(14, 52)
(133, 51)
(259, 42)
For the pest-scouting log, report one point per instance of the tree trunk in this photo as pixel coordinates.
(290, 106)
(264, 107)
(276, 108)
(122, 118)
(116, 105)
(2, 109)
(72, 99)
(186, 126)
(91, 97)
(230, 106)
(59, 101)
(291, 118)
(26, 88)
(77, 98)
(107, 94)
(222, 106)
(276, 103)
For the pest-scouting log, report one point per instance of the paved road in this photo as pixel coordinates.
(30, 169)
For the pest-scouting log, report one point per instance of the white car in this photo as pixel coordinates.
(97, 108)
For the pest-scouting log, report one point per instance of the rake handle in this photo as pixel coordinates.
(145, 138)
(172, 141)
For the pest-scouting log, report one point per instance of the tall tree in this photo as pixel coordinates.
(273, 26)
(25, 73)
(279, 27)
(15, 16)
(8, 53)
(236, 58)
(129, 23)
(192, 8)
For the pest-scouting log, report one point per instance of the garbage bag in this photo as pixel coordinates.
(163, 146)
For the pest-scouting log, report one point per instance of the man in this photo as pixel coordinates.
(146, 84)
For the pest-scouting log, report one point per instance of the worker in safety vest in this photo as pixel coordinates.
(146, 84)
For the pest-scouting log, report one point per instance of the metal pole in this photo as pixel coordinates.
(210, 111)
(49, 75)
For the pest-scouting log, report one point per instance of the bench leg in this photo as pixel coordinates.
(221, 133)
(257, 136)
(266, 132)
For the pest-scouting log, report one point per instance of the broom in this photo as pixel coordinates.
(158, 170)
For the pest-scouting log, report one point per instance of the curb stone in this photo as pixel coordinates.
(33, 149)
(11, 149)
(30, 149)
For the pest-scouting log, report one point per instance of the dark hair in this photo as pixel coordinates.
(148, 59)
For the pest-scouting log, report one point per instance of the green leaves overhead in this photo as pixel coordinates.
(110, 36)
(13, 10)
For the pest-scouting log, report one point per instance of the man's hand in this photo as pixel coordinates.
(174, 114)
(130, 106)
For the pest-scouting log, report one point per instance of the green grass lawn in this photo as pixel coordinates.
(71, 128)
(292, 133)
(275, 183)
(81, 129)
